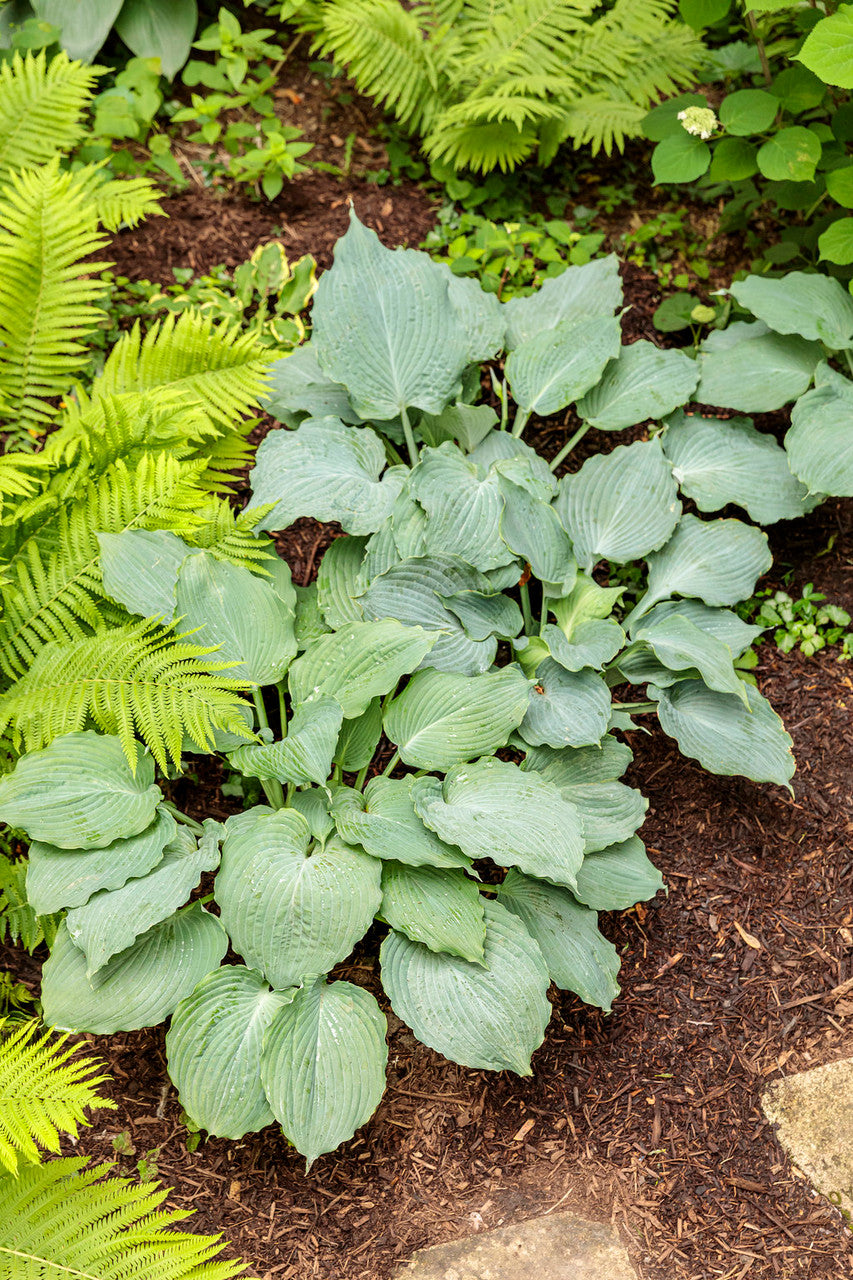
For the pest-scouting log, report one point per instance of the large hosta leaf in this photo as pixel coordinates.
(717, 461)
(602, 763)
(299, 387)
(238, 613)
(682, 646)
(359, 738)
(214, 1050)
(80, 792)
(467, 424)
(140, 569)
(579, 959)
(567, 708)
(620, 505)
(594, 642)
(746, 368)
(291, 912)
(326, 470)
(557, 366)
(113, 919)
(480, 313)
(718, 561)
(358, 662)
(384, 327)
(139, 988)
(337, 581)
(494, 810)
(305, 755)
(645, 382)
(723, 624)
(532, 530)
(579, 293)
(439, 907)
(617, 877)
(59, 878)
(610, 811)
(724, 735)
(816, 307)
(441, 719)
(383, 821)
(820, 442)
(463, 509)
(323, 1065)
(490, 1016)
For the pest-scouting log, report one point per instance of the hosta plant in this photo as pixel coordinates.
(434, 727)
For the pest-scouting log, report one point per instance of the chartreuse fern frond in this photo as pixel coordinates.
(133, 679)
(45, 1090)
(41, 108)
(18, 921)
(121, 201)
(61, 1220)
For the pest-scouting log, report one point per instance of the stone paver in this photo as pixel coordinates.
(558, 1246)
(813, 1112)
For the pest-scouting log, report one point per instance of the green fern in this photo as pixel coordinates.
(45, 1090)
(41, 108)
(17, 918)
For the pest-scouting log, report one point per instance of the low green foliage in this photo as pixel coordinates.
(805, 622)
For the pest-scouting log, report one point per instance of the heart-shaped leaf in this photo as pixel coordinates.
(337, 581)
(557, 366)
(305, 755)
(816, 307)
(567, 708)
(140, 569)
(441, 719)
(359, 738)
(298, 388)
(609, 810)
(819, 444)
(441, 908)
(463, 509)
(748, 369)
(618, 877)
(383, 821)
(645, 382)
(576, 294)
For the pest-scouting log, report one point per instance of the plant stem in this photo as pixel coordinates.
(271, 786)
(569, 445)
(282, 707)
(391, 765)
(504, 407)
(410, 438)
(849, 359)
(196, 827)
(522, 417)
(524, 591)
(762, 52)
(543, 617)
(361, 777)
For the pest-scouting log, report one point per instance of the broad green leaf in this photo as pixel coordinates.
(80, 792)
(721, 623)
(620, 505)
(383, 821)
(139, 988)
(718, 561)
(567, 708)
(463, 510)
(663, 121)
(442, 719)
(839, 185)
(579, 959)
(796, 88)
(828, 48)
(305, 754)
(113, 919)
(557, 366)
(836, 242)
(680, 157)
(790, 155)
(313, 804)
(575, 766)
(239, 614)
(717, 461)
(587, 601)
(682, 646)
(323, 1065)
(490, 1016)
(703, 13)
(748, 111)
(495, 810)
(724, 735)
(593, 644)
(514, 460)
(815, 307)
(618, 877)
(337, 579)
(485, 613)
(441, 908)
(644, 382)
(214, 1046)
(819, 443)
(733, 160)
(358, 662)
(289, 911)
(298, 387)
(359, 738)
(309, 624)
(85, 24)
(532, 529)
(746, 368)
(480, 313)
(59, 878)
(326, 470)
(578, 293)
(413, 591)
(140, 569)
(467, 424)
(610, 810)
(384, 327)
(159, 29)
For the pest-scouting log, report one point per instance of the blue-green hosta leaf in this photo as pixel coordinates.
(746, 368)
(490, 1016)
(645, 382)
(579, 959)
(289, 911)
(567, 708)
(337, 579)
(59, 878)
(383, 821)
(139, 988)
(80, 792)
(305, 754)
(532, 529)
(610, 810)
(412, 592)
(820, 443)
(620, 505)
(485, 613)
(326, 470)
(815, 307)
(494, 810)
(480, 313)
(515, 461)
(113, 919)
(593, 644)
(214, 1049)
(385, 327)
(442, 719)
(140, 569)
(618, 877)
(313, 804)
(323, 1065)
(359, 738)
(358, 662)
(579, 293)
(574, 766)
(463, 511)
(723, 624)
(724, 735)
(682, 646)
(467, 424)
(557, 366)
(586, 602)
(309, 624)
(718, 561)
(441, 908)
(717, 461)
(238, 613)
(298, 388)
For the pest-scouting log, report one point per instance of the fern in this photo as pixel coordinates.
(17, 918)
(41, 108)
(44, 1090)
